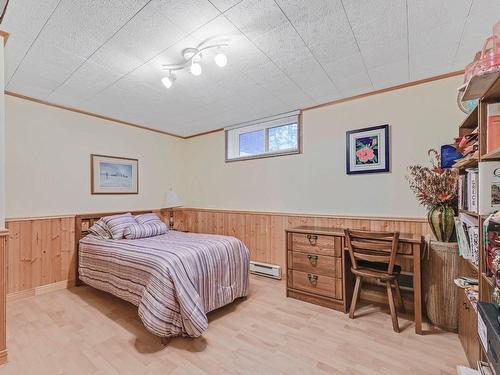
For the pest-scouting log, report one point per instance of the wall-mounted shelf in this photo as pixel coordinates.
(489, 279)
(492, 155)
(481, 86)
(470, 122)
(471, 213)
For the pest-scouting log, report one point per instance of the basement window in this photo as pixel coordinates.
(272, 136)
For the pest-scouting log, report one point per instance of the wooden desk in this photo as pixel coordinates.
(333, 283)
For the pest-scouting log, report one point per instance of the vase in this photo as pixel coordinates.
(441, 221)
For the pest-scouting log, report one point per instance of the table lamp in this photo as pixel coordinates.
(171, 200)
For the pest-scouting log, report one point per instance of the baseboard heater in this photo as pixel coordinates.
(264, 269)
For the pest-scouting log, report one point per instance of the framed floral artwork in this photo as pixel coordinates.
(367, 150)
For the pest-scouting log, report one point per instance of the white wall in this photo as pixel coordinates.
(48, 161)
(420, 117)
(48, 151)
(2, 136)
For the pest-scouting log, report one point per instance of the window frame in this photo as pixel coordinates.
(266, 154)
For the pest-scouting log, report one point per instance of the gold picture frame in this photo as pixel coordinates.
(113, 175)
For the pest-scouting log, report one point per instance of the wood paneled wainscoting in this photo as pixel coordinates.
(41, 252)
(41, 255)
(264, 233)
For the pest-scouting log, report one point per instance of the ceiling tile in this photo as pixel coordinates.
(188, 15)
(347, 84)
(479, 25)
(435, 29)
(46, 67)
(380, 29)
(80, 27)
(224, 5)
(390, 74)
(23, 20)
(106, 57)
(86, 82)
(256, 17)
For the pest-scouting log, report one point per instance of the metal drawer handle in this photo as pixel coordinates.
(312, 239)
(313, 259)
(312, 277)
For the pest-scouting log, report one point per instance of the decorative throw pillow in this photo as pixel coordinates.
(151, 229)
(147, 218)
(117, 223)
(100, 229)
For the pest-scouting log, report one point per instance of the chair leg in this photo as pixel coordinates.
(394, 316)
(355, 296)
(398, 296)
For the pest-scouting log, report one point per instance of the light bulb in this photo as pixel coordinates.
(195, 69)
(221, 60)
(167, 82)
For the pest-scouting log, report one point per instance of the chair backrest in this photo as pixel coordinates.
(372, 247)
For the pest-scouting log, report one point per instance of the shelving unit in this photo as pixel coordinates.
(487, 89)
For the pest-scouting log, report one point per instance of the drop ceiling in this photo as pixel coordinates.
(105, 57)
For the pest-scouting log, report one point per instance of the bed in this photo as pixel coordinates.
(175, 278)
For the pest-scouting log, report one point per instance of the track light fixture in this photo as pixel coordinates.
(168, 80)
(220, 59)
(193, 58)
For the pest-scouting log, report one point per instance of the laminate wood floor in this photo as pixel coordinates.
(85, 331)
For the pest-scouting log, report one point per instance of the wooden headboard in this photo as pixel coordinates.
(85, 221)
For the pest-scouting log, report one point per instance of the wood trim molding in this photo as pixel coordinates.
(387, 89)
(246, 212)
(39, 290)
(5, 36)
(102, 117)
(204, 133)
(295, 214)
(27, 218)
(3, 297)
(4, 232)
(122, 122)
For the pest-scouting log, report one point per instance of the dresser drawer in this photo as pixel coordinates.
(317, 284)
(314, 263)
(316, 244)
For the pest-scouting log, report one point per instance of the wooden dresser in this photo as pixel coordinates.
(315, 267)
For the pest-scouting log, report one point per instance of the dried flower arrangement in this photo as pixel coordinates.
(433, 186)
(436, 188)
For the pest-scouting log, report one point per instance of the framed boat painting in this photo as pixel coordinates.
(367, 150)
(114, 175)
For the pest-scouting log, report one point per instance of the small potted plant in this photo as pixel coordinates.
(436, 189)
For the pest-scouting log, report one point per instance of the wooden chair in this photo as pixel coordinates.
(373, 254)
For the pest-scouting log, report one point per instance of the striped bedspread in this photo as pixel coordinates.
(174, 279)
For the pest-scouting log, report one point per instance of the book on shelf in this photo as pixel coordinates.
(493, 127)
(462, 192)
(467, 228)
(472, 189)
(491, 240)
(468, 190)
(489, 185)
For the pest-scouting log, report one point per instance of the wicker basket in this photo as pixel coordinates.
(439, 268)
